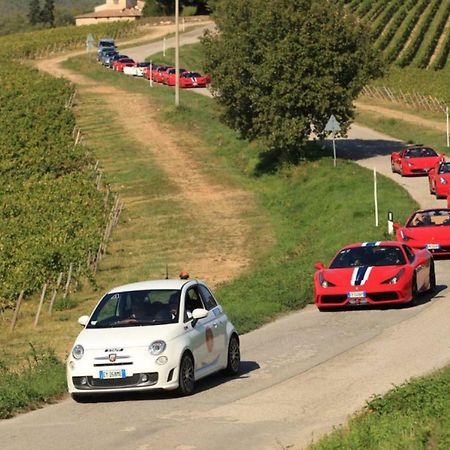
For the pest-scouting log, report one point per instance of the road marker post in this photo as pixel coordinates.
(446, 121)
(164, 46)
(150, 73)
(390, 222)
(375, 195)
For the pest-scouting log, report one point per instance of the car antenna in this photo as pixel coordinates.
(167, 271)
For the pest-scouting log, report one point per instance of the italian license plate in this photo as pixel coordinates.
(108, 374)
(433, 246)
(356, 294)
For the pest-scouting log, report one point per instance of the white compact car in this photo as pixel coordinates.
(162, 334)
(136, 70)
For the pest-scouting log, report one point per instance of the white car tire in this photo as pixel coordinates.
(186, 376)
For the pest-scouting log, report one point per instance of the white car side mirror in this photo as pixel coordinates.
(83, 320)
(199, 313)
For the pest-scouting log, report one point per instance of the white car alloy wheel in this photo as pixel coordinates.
(234, 356)
(186, 377)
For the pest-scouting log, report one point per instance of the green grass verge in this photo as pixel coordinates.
(415, 415)
(408, 132)
(313, 208)
(42, 379)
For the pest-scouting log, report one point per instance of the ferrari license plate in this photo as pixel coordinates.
(433, 246)
(356, 294)
(108, 374)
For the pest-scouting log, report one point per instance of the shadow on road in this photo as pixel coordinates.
(356, 149)
(422, 299)
(201, 385)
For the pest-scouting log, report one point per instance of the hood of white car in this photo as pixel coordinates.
(111, 338)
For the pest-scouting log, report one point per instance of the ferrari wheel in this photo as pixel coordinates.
(431, 190)
(234, 356)
(432, 282)
(414, 291)
(392, 166)
(186, 377)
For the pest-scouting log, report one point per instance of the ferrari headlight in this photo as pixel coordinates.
(404, 236)
(78, 351)
(395, 278)
(442, 180)
(156, 348)
(410, 164)
(324, 283)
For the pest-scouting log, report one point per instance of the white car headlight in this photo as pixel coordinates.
(156, 348)
(78, 351)
(442, 180)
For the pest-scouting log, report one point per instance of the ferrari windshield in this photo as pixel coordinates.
(136, 308)
(444, 168)
(430, 218)
(368, 256)
(422, 152)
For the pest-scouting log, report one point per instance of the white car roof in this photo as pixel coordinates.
(151, 284)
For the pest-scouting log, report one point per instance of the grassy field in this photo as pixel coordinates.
(415, 415)
(305, 214)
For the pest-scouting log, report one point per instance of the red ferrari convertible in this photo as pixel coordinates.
(373, 273)
(439, 180)
(415, 160)
(427, 228)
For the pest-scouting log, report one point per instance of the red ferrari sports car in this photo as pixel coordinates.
(169, 77)
(192, 79)
(439, 180)
(427, 228)
(373, 273)
(158, 73)
(123, 62)
(415, 160)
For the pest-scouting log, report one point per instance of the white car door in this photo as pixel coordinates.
(202, 334)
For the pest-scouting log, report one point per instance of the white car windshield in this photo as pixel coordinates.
(136, 308)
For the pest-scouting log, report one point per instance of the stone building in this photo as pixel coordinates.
(111, 11)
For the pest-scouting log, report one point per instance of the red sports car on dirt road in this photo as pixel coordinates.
(427, 228)
(439, 180)
(415, 160)
(373, 273)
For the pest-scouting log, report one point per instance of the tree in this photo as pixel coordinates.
(158, 8)
(34, 11)
(280, 66)
(47, 14)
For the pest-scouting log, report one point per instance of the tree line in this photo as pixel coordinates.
(44, 15)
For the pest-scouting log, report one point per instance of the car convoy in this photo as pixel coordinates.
(166, 334)
(108, 56)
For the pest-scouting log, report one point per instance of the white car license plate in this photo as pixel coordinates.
(433, 246)
(356, 294)
(108, 374)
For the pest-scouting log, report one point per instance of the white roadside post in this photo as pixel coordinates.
(333, 126)
(89, 42)
(150, 73)
(375, 195)
(390, 222)
(164, 46)
(446, 121)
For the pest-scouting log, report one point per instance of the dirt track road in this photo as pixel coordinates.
(302, 374)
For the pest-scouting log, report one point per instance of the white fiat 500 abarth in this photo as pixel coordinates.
(162, 334)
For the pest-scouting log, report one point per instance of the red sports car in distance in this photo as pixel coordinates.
(169, 77)
(158, 73)
(415, 160)
(123, 62)
(192, 79)
(427, 228)
(373, 273)
(439, 180)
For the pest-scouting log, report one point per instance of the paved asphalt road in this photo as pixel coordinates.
(302, 374)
